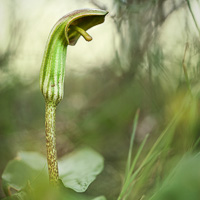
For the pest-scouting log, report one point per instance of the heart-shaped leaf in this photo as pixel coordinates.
(25, 168)
(77, 170)
(80, 168)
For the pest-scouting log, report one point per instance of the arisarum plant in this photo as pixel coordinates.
(88, 163)
(65, 32)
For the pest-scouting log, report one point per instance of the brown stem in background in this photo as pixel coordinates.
(185, 68)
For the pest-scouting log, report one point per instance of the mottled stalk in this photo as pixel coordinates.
(50, 120)
(65, 32)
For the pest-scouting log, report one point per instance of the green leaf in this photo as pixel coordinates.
(35, 160)
(80, 168)
(22, 170)
(77, 170)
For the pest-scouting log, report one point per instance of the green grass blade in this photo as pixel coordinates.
(137, 156)
(171, 124)
(126, 186)
(135, 122)
(129, 175)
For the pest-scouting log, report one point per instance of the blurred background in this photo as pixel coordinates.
(145, 56)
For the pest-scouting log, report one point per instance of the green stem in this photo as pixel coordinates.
(50, 118)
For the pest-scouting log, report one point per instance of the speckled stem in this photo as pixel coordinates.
(65, 32)
(50, 118)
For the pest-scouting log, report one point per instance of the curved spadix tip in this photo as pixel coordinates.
(82, 20)
(78, 22)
